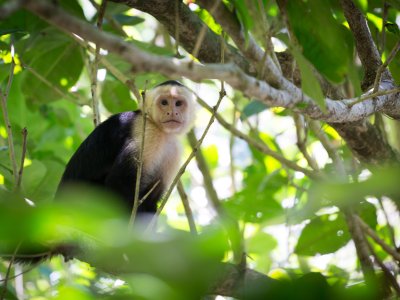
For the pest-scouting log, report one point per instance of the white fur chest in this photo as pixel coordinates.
(161, 153)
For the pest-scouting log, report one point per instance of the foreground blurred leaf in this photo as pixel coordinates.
(93, 221)
(383, 182)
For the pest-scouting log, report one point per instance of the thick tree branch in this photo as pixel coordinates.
(251, 50)
(366, 48)
(366, 141)
(337, 111)
(190, 27)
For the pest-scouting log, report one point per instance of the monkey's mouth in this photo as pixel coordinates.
(172, 122)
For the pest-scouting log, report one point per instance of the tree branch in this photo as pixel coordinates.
(337, 111)
(190, 27)
(366, 48)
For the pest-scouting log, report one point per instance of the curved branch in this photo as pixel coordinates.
(337, 111)
(190, 27)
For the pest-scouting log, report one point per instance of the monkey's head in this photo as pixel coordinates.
(171, 106)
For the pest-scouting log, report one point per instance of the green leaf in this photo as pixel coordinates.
(256, 202)
(309, 81)
(56, 58)
(206, 17)
(32, 177)
(324, 41)
(323, 235)
(367, 212)
(261, 243)
(243, 15)
(211, 154)
(116, 97)
(393, 28)
(124, 19)
(253, 108)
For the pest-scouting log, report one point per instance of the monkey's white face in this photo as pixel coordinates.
(172, 108)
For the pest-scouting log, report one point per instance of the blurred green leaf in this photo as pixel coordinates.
(211, 154)
(309, 81)
(124, 19)
(253, 108)
(393, 28)
(48, 56)
(323, 235)
(323, 40)
(242, 12)
(116, 97)
(205, 16)
(261, 243)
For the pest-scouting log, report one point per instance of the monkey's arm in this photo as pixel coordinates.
(93, 160)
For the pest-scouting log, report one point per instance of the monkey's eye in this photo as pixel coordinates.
(164, 102)
(178, 103)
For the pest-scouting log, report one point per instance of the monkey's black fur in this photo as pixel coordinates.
(106, 159)
(170, 82)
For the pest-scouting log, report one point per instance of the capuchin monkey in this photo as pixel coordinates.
(109, 156)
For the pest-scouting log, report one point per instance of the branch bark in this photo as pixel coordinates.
(337, 111)
(366, 48)
(190, 27)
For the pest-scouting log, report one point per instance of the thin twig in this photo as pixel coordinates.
(77, 99)
(373, 95)
(111, 68)
(203, 31)
(140, 164)
(205, 171)
(116, 25)
(7, 123)
(149, 192)
(21, 273)
(302, 140)
(378, 240)
(231, 146)
(330, 149)
(21, 166)
(186, 206)
(95, 66)
(360, 243)
(385, 270)
(7, 277)
(390, 227)
(177, 24)
(260, 146)
(183, 167)
(391, 56)
(385, 10)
